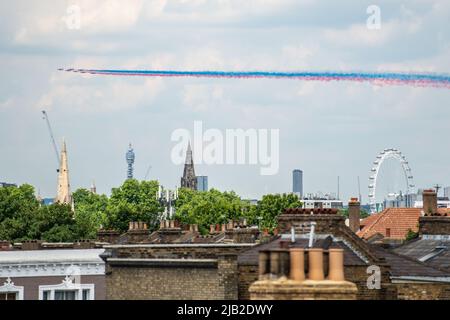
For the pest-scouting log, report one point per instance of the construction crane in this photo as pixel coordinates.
(45, 117)
(146, 174)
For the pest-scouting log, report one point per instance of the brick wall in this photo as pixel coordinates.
(172, 272)
(247, 275)
(434, 225)
(162, 284)
(423, 291)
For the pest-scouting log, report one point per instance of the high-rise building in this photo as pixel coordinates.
(297, 182)
(130, 156)
(189, 180)
(6, 185)
(447, 192)
(202, 183)
(64, 194)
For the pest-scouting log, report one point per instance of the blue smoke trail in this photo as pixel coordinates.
(380, 78)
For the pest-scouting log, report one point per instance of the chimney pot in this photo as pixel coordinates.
(315, 264)
(275, 263)
(336, 265)
(264, 263)
(297, 257)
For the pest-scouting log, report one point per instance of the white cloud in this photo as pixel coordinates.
(8, 103)
(199, 97)
(84, 93)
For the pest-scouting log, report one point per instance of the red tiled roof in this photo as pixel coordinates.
(444, 211)
(398, 220)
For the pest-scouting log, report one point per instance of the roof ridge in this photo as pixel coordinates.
(369, 227)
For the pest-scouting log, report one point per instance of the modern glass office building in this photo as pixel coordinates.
(297, 182)
(202, 183)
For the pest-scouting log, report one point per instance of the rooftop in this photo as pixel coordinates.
(392, 223)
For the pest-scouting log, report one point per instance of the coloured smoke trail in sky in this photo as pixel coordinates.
(378, 78)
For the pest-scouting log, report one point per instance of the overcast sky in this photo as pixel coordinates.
(326, 129)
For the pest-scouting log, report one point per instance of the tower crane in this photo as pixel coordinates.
(147, 173)
(55, 147)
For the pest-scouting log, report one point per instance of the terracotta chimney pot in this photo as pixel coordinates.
(264, 263)
(297, 257)
(275, 263)
(316, 264)
(336, 263)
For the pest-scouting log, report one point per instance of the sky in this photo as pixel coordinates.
(326, 129)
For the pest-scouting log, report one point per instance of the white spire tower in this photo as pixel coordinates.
(64, 196)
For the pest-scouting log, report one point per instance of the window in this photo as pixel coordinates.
(388, 232)
(66, 294)
(8, 296)
(67, 290)
(9, 291)
(46, 295)
(86, 294)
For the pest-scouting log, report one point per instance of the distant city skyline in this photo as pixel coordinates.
(328, 129)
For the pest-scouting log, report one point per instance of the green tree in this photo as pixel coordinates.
(265, 213)
(210, 207)
(411, 235)
(52, 219)
(90, 213)
(18, 206)
(133, 201)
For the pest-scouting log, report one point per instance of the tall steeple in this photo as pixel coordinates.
(189, 180)
(64, 195)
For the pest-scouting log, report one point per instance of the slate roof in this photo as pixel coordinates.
(432, 252)
(403, 266)
(398, 220)
(400, 265)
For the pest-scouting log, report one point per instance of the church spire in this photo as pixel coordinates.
(189, 180)
(189, 159)
(64, 195)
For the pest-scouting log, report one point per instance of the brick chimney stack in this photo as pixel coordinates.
(354, 214)
(429, 198)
